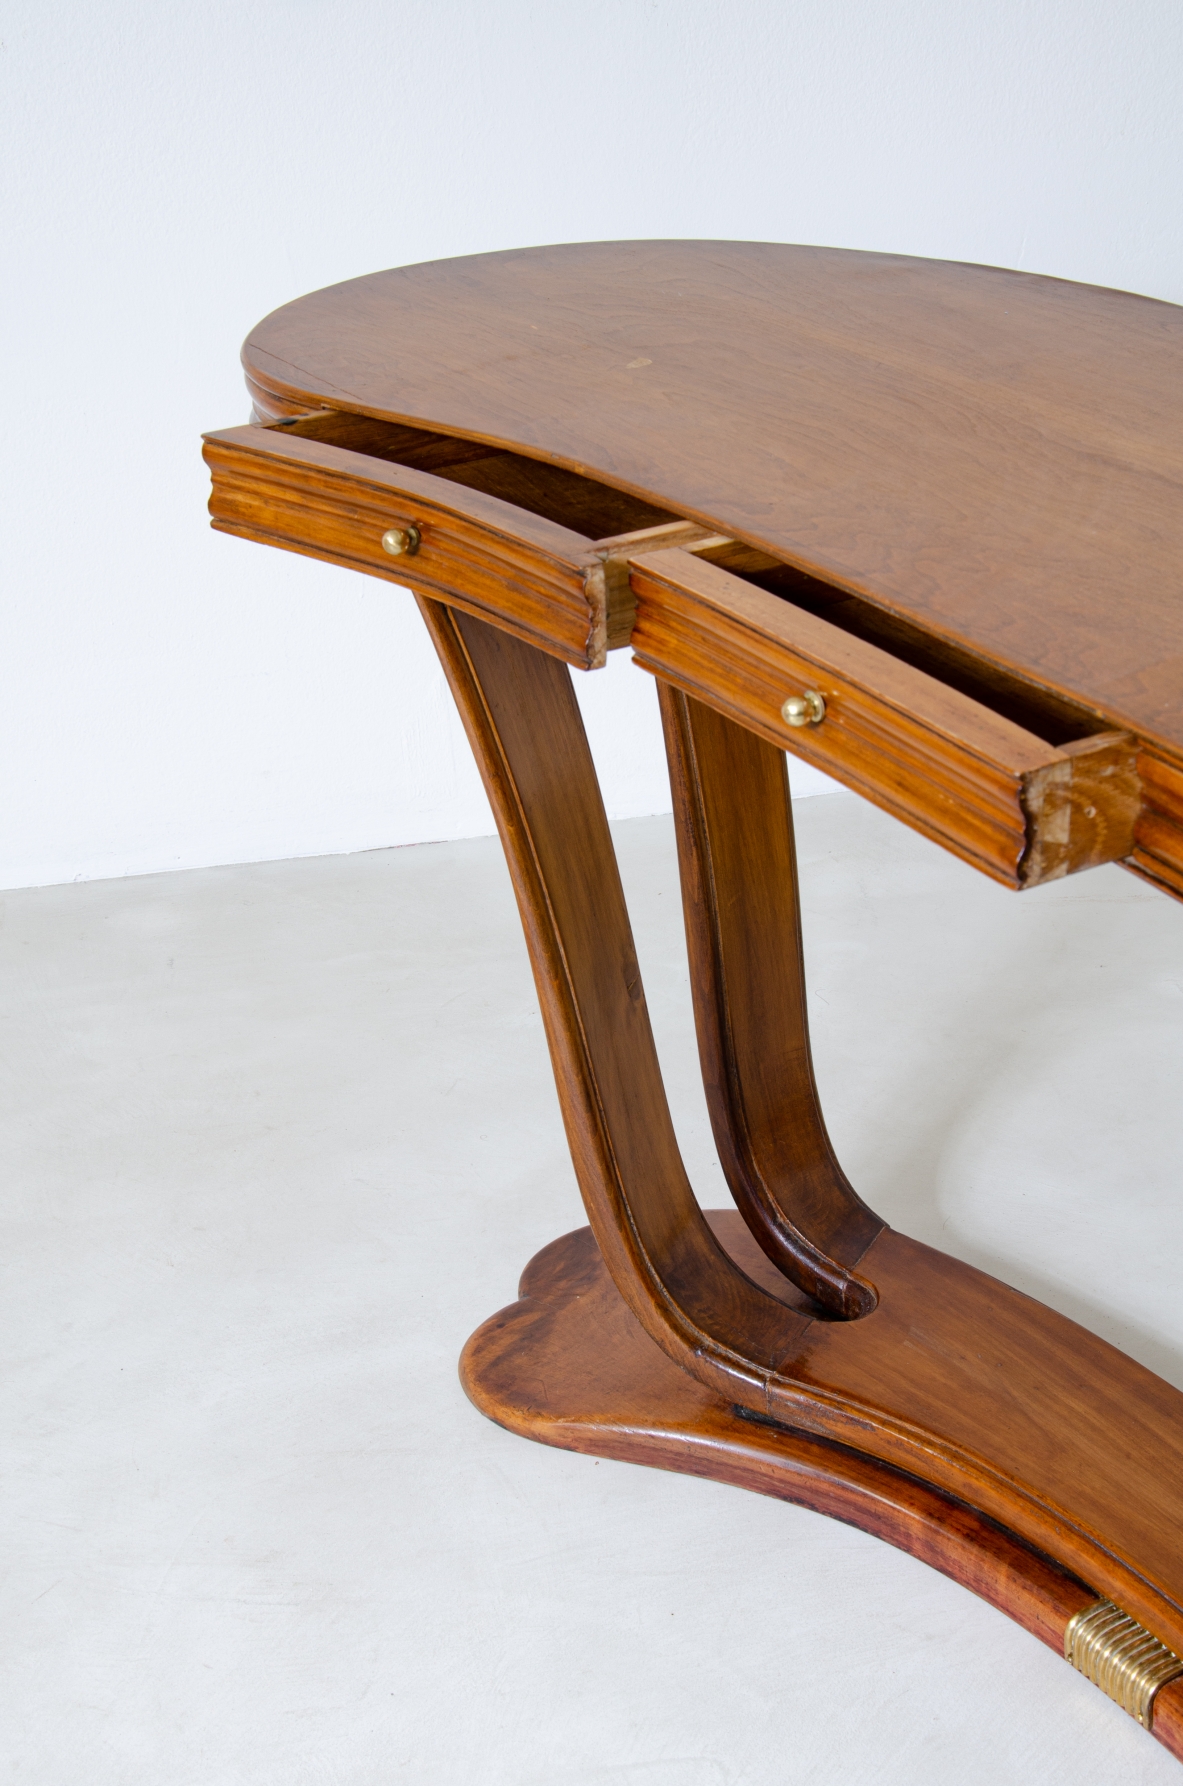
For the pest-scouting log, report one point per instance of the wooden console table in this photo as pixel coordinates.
(922, 525)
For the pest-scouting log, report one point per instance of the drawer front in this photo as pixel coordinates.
(523, 573)
(1013, 805)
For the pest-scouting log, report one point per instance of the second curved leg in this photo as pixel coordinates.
(734, 827)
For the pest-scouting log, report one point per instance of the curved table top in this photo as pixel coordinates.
(994, 455)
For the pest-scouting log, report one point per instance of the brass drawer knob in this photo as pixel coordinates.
(808, 709)
(401, 542)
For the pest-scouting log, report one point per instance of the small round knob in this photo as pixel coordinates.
(804, 710)
(401, 542)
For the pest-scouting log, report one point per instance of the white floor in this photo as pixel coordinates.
(279, 1137)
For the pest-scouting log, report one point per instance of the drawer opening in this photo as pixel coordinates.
(564, 497)
(600, 513)
(1047, 716)
(740, 636)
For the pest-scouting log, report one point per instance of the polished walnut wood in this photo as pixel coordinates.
(946, 500)
(988, 460)
(1014, 805)
(541, 580)
(743, 932)
(949, 1374)
(569, 1365)
(300, 488)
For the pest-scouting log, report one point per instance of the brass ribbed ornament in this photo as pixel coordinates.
(1121, 1657)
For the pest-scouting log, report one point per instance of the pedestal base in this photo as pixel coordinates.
(569, 1365)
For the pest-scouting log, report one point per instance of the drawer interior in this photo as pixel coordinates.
(558, 495)
(599, 512)
(1046, 715)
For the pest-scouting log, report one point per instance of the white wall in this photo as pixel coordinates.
(172, 697)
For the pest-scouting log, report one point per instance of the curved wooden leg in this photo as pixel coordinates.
(523, 722)
(952, 1377)
(743, 930)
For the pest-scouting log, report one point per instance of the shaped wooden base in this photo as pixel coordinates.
(569, 1365)
(816, 1355)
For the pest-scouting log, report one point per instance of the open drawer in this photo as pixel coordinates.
(489, 531)
(577, 568)
(1020, 808)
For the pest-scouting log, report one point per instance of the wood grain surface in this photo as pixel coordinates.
(738, 870)
(1003, 799)
(952, 1375)
(949, 497)
(499, 535)
(938, 756)
(535, 578)
(995, 456)
(569, 1365)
